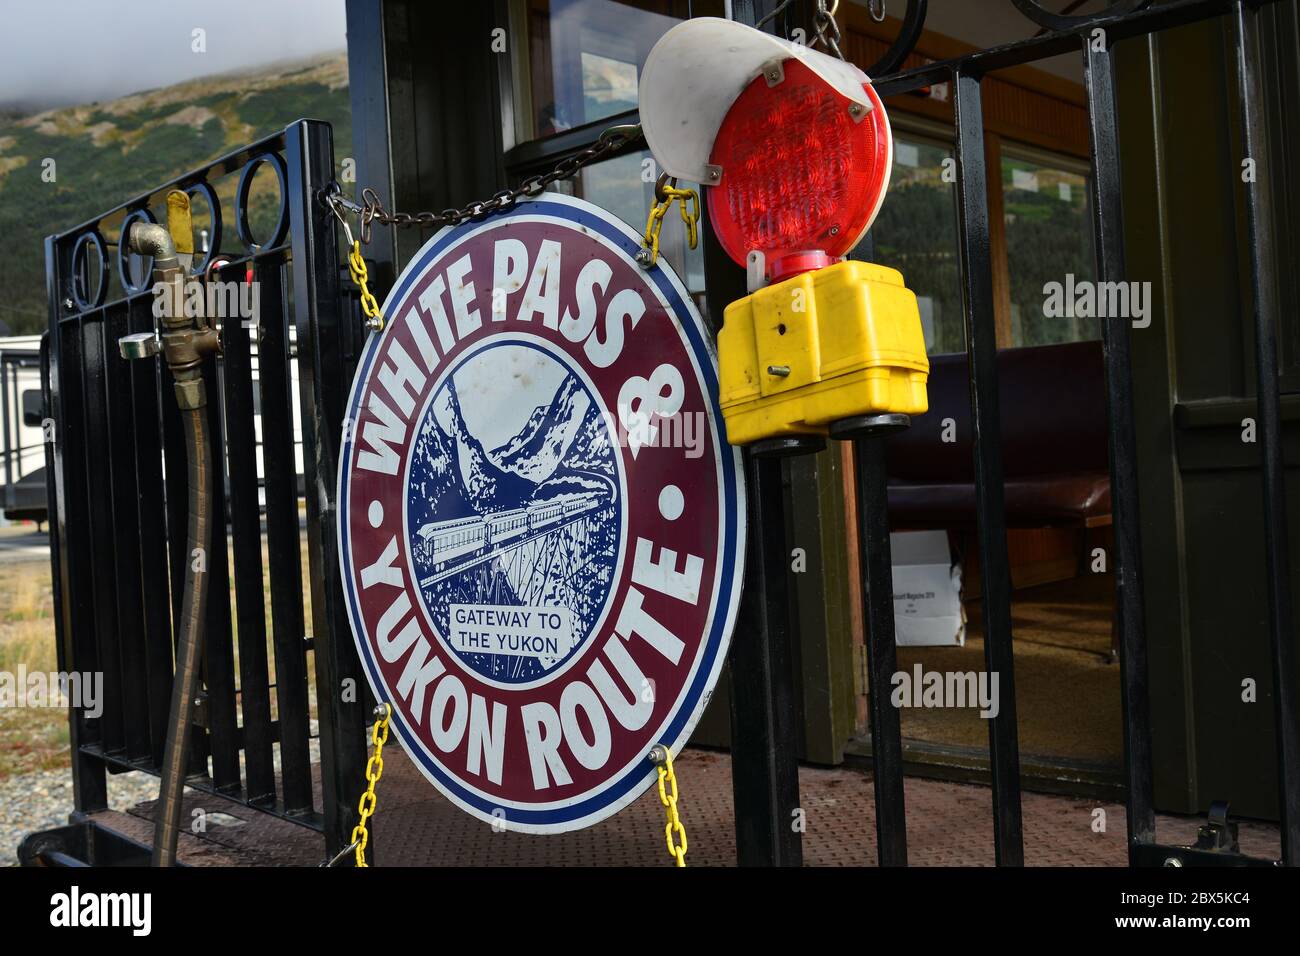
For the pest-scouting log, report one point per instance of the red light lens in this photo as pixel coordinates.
(798, 173)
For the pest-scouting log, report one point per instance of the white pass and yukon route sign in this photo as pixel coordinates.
(540, 521)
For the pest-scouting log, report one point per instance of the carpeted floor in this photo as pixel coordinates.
(1068, 697)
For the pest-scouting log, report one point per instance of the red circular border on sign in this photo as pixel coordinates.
(695, 532)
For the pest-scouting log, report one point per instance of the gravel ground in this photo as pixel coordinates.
(38, 801)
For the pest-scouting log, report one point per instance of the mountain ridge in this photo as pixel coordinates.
(65, 165)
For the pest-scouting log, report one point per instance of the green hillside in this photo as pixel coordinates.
(106, 153)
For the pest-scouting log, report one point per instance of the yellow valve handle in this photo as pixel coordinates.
(179, 222)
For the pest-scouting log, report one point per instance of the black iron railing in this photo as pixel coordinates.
(119, 505)
(1061, 35)
(765, 738)
(119, 537)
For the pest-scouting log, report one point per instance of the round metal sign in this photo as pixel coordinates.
(540, 521)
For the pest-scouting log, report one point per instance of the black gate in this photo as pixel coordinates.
(120, 527)
(764, 723)
(119, 530)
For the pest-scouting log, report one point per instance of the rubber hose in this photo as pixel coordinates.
(189, 649)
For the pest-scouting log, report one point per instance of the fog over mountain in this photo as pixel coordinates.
(106, 50)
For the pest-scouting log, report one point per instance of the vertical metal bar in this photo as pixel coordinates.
(324, 334)
(68, 531)
(218, 643)
(990, 506)
(246, 542)
(372, 144)
(102, 548)
(146, 378)
(882, 658)
(283, 542)
(764, 731)
(11, 450)
(119, 472)
(765, 737)
(1276, 530)
(1107, 212)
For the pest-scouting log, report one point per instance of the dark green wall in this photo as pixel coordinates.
(1194, 382)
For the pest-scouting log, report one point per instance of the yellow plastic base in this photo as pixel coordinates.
(850, 336)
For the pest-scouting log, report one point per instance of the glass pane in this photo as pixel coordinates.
(584, 57)
(1049, 240)
(916, 233)
(625, 186)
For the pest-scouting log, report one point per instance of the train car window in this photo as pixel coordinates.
(33, 408)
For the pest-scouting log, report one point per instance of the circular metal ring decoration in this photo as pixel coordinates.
(129, 286)
(908, 35)
(84, 302)
(1057, 21)
(242, 226)
(209, 195)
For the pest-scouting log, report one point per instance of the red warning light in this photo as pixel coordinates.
(803, 168)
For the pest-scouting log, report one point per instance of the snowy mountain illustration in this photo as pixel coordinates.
(458, 478)
(515, 504)
(563, 446)
(541, 445)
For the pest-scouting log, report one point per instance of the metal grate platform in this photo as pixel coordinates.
(949, 825)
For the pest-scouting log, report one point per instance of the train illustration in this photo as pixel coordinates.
(445, 543)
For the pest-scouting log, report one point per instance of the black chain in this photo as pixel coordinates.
(824, 25)
(372, 208)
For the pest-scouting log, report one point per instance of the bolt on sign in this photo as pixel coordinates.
(541, 522)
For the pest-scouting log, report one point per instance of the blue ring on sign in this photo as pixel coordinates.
(636, 774)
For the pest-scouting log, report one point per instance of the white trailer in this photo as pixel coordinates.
(22, 439)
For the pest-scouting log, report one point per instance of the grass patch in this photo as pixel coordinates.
(36, 738)
(31, 738)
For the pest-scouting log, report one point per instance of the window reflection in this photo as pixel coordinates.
(625, 186)
(584, 57)
(1049, 237)
(916, 233)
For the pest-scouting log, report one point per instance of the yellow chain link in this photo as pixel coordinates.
(668, 797)
(357, 266)
(374, 770)
(688, 204)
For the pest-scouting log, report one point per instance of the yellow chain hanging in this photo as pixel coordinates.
(663, 758)
(357, 266)
(375, 767)
(666, 192)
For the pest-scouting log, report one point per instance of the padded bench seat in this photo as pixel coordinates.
(1054, 458)
(1043, 501)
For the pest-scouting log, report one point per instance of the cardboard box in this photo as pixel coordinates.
(927, 591)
